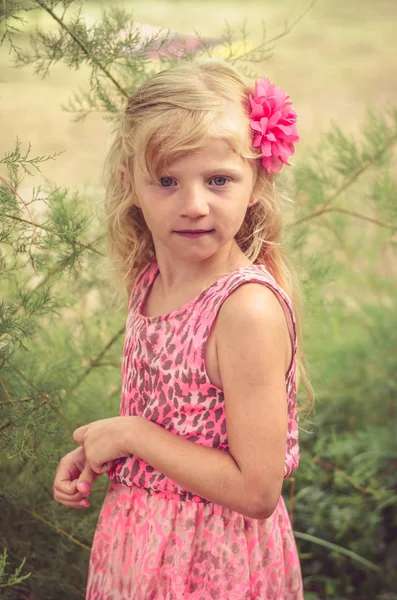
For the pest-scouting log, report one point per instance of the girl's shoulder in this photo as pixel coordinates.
(255, 273)
(234, 295)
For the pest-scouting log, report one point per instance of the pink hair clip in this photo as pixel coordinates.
(274, 124)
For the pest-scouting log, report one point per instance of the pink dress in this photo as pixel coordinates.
(155, 540)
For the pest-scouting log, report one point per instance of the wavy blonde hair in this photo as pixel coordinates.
(176, 111)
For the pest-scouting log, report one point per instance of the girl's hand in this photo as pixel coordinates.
(73, 480)
(105, 440)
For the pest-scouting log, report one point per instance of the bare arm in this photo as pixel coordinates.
(254, 352)
(207, 472)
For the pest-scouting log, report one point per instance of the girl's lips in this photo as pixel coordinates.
(194, 233)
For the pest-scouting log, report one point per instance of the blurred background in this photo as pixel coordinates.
(339, 58)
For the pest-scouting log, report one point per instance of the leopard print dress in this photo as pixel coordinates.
(155, 540)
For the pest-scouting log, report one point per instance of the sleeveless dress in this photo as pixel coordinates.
(155, 540)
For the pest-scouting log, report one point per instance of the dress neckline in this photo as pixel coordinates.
(152, 276)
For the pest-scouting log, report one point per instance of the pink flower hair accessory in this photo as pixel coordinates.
(274, 125)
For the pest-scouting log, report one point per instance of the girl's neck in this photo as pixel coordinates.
(174, 279)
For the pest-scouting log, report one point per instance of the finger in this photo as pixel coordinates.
(84, 503)
(61, 497)
(65, 485)
(103, 468)
(79, 434)
(86, 479)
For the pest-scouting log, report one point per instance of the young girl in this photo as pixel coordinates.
(208, 423)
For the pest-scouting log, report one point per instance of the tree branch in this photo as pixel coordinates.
(45, 400)
(54, 527)
(31, 222)
(63, 25)
(88, 246)
(287, 30)
(54, 408)
(328, 466)
(347, 212)
(95, 362)
(349, 181)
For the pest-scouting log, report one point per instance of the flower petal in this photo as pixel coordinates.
(273, 122)
(274, 118)
(271, 137)
(256, 126)
(266, 148)
(264, 124)
(257, 111)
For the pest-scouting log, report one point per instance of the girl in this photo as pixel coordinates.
(208, 426)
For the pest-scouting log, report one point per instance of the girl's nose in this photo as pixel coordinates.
(193, 203)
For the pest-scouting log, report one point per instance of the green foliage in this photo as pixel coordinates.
(12, 578)
(347, 475)
(61, 332)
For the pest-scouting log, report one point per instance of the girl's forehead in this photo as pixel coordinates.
(214, 151)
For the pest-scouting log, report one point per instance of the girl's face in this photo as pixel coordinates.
(209, 189)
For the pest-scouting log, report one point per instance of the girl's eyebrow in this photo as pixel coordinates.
(224, 169)
(217, 169)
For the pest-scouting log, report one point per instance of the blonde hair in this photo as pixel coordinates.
(174, 112)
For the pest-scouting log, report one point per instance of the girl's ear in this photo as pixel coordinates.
(252, 200)
(126, 183)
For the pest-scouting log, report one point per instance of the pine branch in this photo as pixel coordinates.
(57, 269)
(264, 46)
(53, 527)
(107, 364)
(14, 579)
(287, 31)
(346, 212)
(367, 164)
(95, 362)
(59, 234)
(10, 399)
(349, 182)
(79, 43)
(287, 28)
(34, 555)
(31, 222)
(45, 400)
(11, 11)
(31, 384)
(49, 230)
(328, 466)
(16, 159)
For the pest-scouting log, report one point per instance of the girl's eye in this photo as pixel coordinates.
(166, 181)
(220, 181)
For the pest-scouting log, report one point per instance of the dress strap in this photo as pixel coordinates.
(139, 285)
